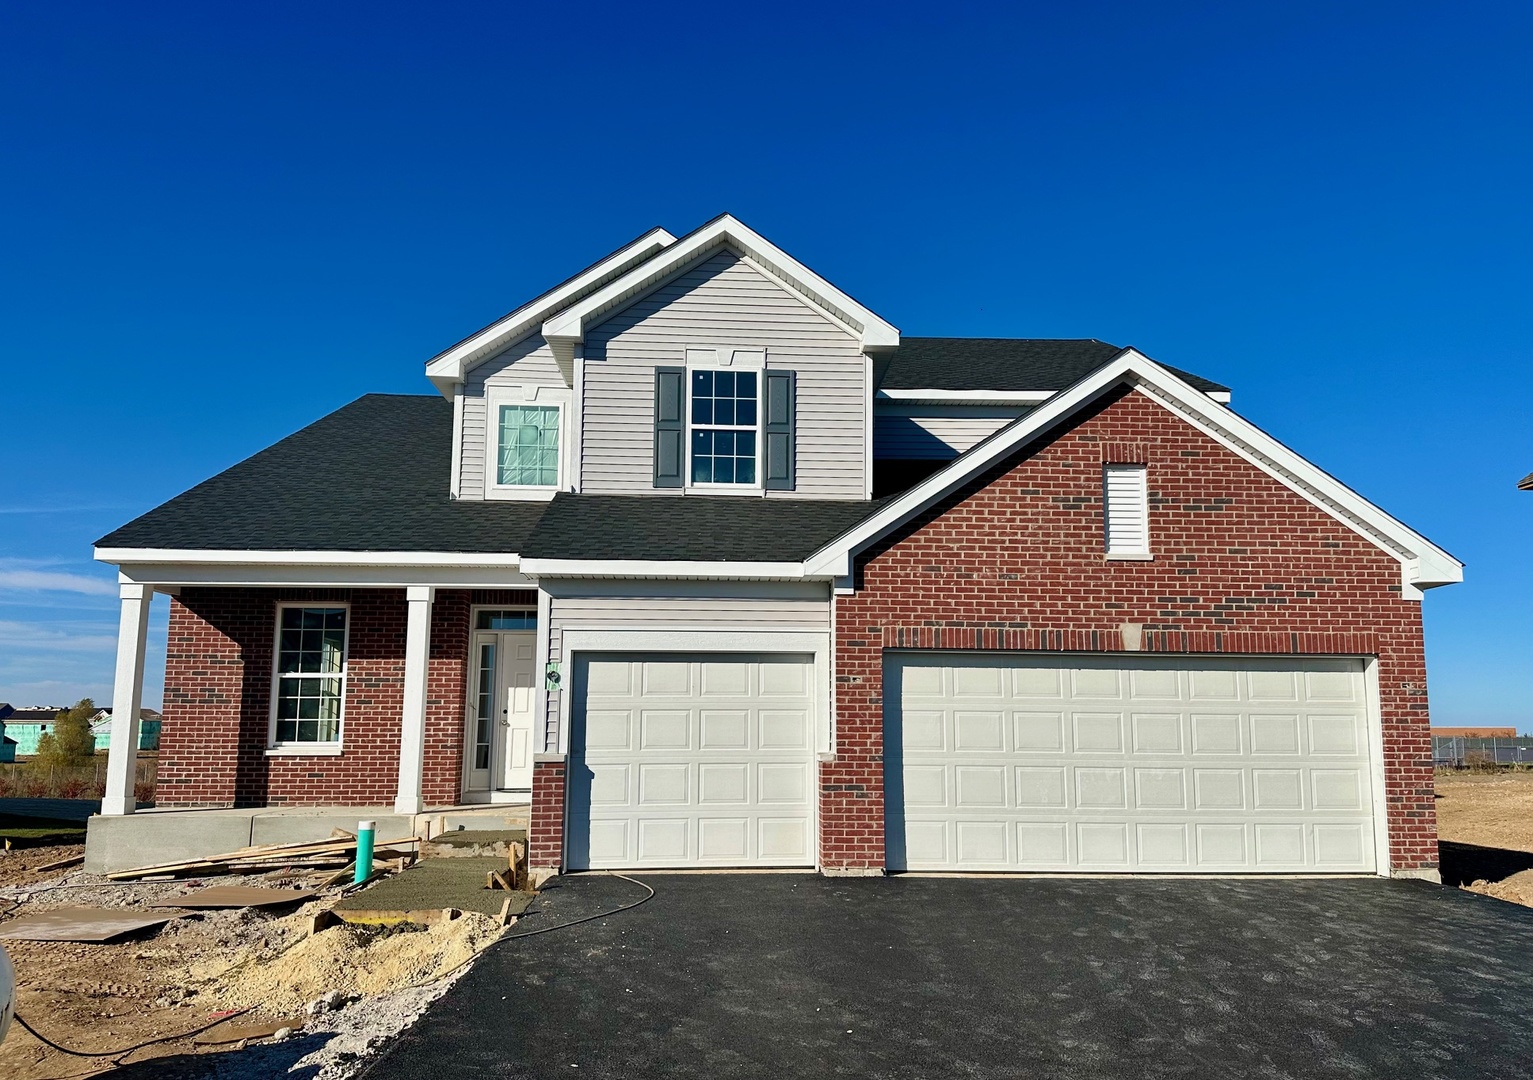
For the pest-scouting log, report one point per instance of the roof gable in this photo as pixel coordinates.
(448, 367)
(1423, 564)
(566, 328)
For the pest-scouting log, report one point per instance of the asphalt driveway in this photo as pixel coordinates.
(800, 976)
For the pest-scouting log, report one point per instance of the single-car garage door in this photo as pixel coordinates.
(691, 760)
(1101, 764)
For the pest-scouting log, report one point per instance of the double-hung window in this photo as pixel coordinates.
(724, 427)
(310, 676)
(527, 442)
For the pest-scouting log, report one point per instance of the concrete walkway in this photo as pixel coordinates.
(772, 976)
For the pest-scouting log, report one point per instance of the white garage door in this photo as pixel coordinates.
(691, 760)
(1107, 764)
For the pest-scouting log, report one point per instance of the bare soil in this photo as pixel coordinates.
(198, 968)
(1485, 826)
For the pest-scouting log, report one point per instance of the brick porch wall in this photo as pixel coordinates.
(1014, 561)
(218, 669)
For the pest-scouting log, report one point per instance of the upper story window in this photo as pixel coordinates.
(310, 675)
(527, 441)
(724, 418)
(1126, 511)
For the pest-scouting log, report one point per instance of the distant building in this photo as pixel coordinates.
(26, 726)
(148, 729)
(7, 745)
(1474, 732)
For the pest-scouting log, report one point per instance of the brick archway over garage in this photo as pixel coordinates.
(1014, 561)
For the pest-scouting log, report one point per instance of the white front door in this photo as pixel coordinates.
(517, 677)
(501, 712)
(998, 761)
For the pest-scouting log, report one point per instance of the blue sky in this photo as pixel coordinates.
(223, 222)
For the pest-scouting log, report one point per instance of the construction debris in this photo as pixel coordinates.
(84, 924)
(420, 893)
(236, 896)
(323, 854)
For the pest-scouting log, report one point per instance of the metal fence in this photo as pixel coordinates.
(32, 780)
(1456, 752)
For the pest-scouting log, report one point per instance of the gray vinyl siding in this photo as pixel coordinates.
(529, 362)
(935, 433)
(662, 605)
(722, 301)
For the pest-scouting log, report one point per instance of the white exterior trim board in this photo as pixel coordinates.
(448, 368)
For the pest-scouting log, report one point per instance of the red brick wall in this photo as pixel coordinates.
(545, 839)
(1014, 561)
(218, 669)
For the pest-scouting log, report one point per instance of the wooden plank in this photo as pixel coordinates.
(269, 854)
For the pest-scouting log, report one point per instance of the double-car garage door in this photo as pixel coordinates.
(993, 762)
(1103, 764)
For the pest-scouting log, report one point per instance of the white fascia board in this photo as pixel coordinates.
(570, 324)
(1423, 564)
(995, 397)
(645, 568)
(974, 397)
(191, 556)
(447, 369)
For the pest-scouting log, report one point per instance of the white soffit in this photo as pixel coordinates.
(569, 325)
(1423, 564)
(449, 367)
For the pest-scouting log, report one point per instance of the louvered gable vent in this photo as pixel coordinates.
(1126, 509)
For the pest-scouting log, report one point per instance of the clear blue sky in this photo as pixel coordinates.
(221, 222)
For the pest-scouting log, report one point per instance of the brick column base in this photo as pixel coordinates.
(545, 830)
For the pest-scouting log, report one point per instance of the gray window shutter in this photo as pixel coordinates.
(781, 413)
(670, 393)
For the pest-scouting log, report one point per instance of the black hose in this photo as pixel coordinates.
(40, 1037)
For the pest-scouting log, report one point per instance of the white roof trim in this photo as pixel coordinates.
(570, 324)
(996, 397)
(191, 556)
(646, 568)
(1423, 564)
(449, 367)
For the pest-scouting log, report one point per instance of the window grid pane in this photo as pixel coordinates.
(724, 405)
(311, 658)
(529, 445)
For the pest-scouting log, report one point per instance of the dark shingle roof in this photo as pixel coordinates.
(371, 476)
(699, 528)
(1003, 364)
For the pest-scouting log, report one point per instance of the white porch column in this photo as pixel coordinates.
(412, 734)
(127, 698)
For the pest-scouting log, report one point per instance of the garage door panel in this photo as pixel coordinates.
(1203, 765)
(685, 759)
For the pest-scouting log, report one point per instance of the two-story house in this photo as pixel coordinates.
(700, 557)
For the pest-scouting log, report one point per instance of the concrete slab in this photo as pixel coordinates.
(122, 843)
(433, 884)
(496, 818)
(302, 827)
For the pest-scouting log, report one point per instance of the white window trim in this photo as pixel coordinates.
(1142, 554)
(753, 360)
(306, 749)
(538, 396)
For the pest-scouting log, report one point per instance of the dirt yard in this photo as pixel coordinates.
(1485, 827)
(200, 967)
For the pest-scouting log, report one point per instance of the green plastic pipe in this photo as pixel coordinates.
(364, 851)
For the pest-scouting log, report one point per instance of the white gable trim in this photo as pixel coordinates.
(1423, 564)
(568, 327)
(448, 368)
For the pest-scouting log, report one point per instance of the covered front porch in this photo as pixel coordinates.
(295, 707)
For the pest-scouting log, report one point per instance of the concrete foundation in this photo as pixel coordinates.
(161, 836)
